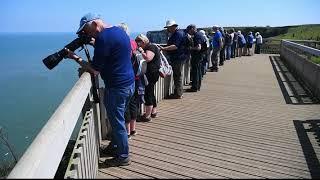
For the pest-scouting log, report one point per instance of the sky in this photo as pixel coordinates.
(147, 15)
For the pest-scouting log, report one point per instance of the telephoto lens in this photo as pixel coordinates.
(54, 59)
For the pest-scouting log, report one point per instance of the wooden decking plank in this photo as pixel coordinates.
(199, 167)
(229, 149)
(166, 166)
(230, 140)
(258, 168)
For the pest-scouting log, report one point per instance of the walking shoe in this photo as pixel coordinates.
(115, 162)
(174, 96)
(108, 151)
(144, 119)
(154, 115)
(133, 133)
(192, 90)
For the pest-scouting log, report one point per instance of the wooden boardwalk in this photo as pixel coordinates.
(237, 126)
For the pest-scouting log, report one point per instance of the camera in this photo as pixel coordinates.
(53, 60)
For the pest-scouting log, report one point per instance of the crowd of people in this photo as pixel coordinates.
(126, 89)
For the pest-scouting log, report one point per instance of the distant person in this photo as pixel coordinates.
(223, 49)
(205, 61)
(216, 48)
(228, 44)
(112, 60)
(234, 47)
(177, 55)
(151, 54)
(250, 44)
(241, 43)
(258, 42)
(197, 53)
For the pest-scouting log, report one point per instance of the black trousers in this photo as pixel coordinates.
(149, 96)
(196, 63)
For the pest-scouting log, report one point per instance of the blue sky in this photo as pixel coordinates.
(145, 15)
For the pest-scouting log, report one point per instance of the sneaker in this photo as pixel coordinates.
(174, 96)
(133, 133)
(108, 151)
(154, 115)
(144, 119)
(115, 162)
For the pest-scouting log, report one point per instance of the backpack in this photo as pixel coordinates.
(228, 39)
(165, 68)
(139, 63)
(204, 46)
(187, 43)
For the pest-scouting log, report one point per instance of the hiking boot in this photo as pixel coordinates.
(115, 162)
(108, 151)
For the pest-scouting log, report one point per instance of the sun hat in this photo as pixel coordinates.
(87, 18)
(170, 23)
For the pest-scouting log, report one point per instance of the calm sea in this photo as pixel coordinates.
(29, 92)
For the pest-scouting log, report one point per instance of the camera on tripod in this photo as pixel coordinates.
(54, 59)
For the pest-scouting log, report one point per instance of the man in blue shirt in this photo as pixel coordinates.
(250, 44)
(112, 60)
(177, 55)
(216, 48)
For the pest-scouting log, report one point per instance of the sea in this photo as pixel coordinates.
(29, 92)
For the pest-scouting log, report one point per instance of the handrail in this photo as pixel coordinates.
(42, 158)
(310, 50)
(298, 58)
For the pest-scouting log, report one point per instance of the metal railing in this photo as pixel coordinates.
(299, 59)
(42, 158)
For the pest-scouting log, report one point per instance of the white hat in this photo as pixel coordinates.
(202, 32)
(170, 23)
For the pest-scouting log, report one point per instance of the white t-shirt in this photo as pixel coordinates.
(259, 39)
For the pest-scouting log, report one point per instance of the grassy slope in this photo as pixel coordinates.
(303, 32)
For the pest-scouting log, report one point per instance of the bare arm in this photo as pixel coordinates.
(148, 55)
(197, 48)
(86, 66)
(169, 48)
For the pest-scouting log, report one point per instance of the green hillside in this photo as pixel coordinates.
(303, 32)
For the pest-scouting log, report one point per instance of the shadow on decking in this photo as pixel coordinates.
(293, 89)
(309, 131)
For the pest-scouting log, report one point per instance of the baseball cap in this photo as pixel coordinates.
(87, 18)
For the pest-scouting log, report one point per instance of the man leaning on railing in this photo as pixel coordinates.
(112, 60)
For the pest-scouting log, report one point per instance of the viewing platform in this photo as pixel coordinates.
(258, 117)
